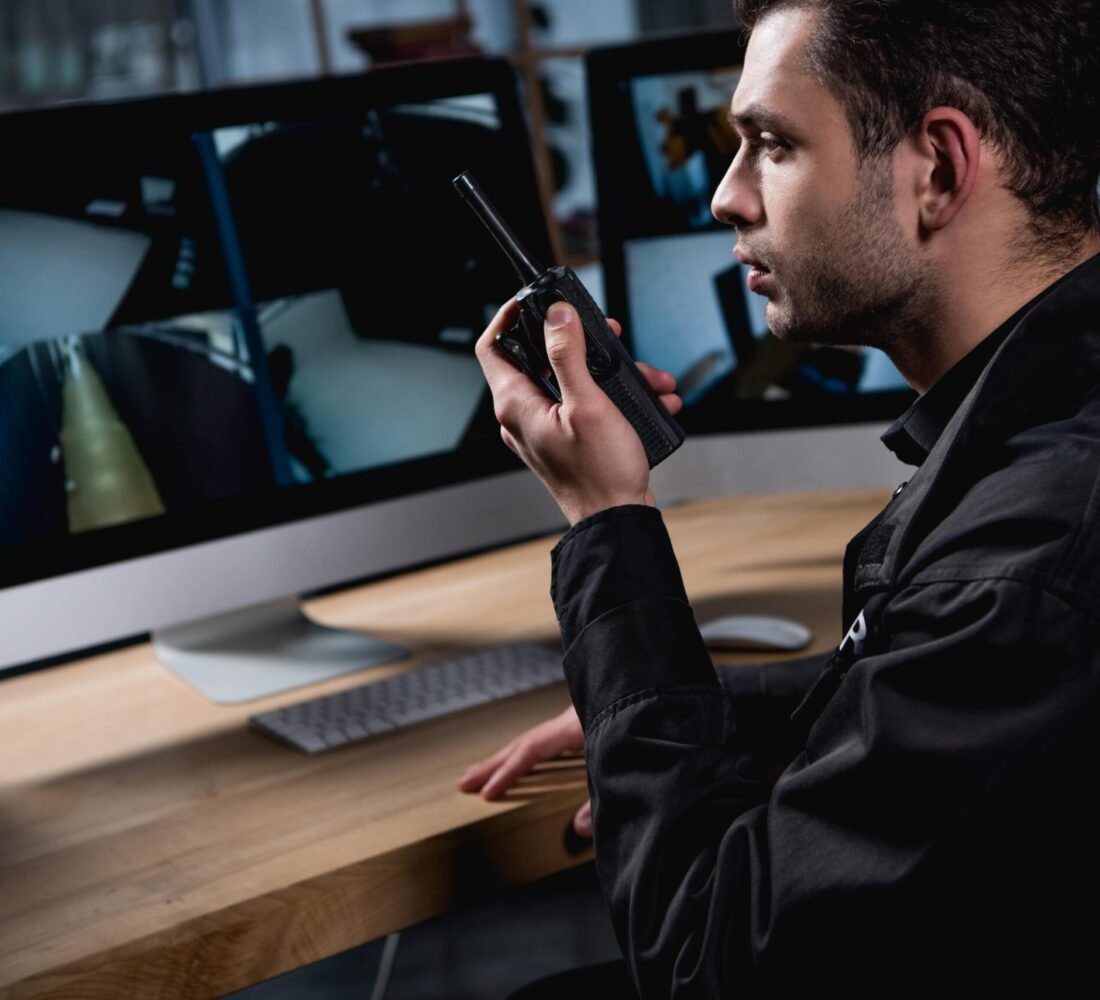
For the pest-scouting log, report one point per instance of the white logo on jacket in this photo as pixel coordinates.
(857, 636)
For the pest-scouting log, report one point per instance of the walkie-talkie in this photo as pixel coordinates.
(611, 365)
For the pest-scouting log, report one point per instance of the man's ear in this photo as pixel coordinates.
(948, 155)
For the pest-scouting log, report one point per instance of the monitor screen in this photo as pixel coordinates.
(230, 311)
(662, 143)
(227, 311)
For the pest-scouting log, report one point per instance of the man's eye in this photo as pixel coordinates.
(767, 143)
(770, 143)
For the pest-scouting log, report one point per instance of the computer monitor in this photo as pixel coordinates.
(662, 142)
(236, 362)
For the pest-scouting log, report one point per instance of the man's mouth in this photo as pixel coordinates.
(757, 272)
(757, 277)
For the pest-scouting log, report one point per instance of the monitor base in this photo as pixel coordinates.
(264, 650)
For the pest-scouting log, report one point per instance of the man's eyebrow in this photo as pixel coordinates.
(758, 117)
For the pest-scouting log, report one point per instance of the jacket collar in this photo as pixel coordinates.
(1043, 364)
(914, 434)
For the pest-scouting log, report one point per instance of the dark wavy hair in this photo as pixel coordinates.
(1026, 72)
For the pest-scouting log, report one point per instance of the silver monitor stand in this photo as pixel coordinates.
(264, 649)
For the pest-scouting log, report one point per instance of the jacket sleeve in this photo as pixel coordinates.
(898, 840)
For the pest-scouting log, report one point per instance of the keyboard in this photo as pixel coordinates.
(428, 692)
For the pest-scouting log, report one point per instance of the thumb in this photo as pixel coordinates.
(566, 350)
(582, 822)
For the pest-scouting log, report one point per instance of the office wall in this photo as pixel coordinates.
(257, 39)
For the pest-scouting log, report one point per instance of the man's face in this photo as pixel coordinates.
(824, 232)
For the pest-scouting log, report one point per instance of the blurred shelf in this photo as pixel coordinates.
(433, 39)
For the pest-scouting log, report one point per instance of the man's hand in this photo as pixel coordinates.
(583, 449)
(496, 774)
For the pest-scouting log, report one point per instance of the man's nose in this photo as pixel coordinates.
(736, 202)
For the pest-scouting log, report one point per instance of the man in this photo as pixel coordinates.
(920, 177)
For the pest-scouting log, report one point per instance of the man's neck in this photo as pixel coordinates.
(972, 309)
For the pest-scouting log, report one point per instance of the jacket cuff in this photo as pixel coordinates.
(646, 646)
(612, 558)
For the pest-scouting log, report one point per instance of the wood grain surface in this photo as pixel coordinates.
(153, 846)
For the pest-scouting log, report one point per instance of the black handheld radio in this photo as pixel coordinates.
(611, 365)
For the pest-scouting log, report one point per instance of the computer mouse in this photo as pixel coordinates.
(755, 632)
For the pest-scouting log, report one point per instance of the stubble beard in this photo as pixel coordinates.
(858, 283)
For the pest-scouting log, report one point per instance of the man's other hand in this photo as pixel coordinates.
(583, 449)
(496, 774)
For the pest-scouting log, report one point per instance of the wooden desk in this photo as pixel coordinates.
(151, 846)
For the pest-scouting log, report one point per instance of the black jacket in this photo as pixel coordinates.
(936, 830)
